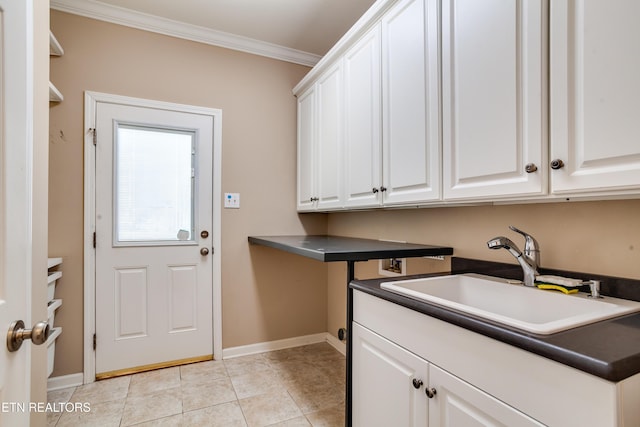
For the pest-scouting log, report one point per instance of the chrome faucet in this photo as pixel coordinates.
(529, 259)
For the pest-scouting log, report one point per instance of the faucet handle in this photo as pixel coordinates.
(531, 248)
(530, 242)
(518, 231)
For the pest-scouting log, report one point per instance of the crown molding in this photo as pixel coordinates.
(143, 21)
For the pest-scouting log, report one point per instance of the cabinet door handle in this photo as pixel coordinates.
(374, 190)
(383, 189)
(431, 392)
(530, 168)
(557, 164)
(417, 383)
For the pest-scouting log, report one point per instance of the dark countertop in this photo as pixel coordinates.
(336, 248)
(609, 349)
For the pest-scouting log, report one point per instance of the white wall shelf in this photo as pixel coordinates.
(54, 94)
(55, 49)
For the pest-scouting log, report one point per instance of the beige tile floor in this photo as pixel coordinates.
(301, 386)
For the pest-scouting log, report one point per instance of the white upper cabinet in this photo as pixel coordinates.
(362, 115)
(427, 102)
(329, 138)
(595, 93)
(392, 114)
(376, 138)
(306, 145)
(320, 134)
(410, 103)
(493, 93)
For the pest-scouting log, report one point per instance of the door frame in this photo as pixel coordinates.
(91, 100)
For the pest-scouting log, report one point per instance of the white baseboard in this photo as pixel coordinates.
(334, 342)
(246, 350)
(65, 381)
(74, 380)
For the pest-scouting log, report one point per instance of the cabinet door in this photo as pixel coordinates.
(493, 98)
(383, 392)
(306, 144)
(410, 102)
(458, 403)
(595, 115)
(329, 138)
(362, 120)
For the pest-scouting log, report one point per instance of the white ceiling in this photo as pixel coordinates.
(308, 26)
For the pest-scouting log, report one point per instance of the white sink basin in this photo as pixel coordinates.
(526, 308)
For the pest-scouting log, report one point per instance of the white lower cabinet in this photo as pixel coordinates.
(457, 403)
(388, 383)
(410, 369)
(394, 387)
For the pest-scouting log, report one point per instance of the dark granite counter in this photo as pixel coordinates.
(609, 349)
(336, 248)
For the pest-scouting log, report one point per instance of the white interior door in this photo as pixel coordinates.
(154, 221)
(16, 178)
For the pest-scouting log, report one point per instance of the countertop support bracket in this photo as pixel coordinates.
(349, 356)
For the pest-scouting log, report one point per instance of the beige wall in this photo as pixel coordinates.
(592, 237)
(259, 124)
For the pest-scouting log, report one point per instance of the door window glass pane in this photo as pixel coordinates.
(154, 185)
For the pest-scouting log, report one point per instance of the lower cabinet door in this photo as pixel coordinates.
(458, 403)
(388, 383)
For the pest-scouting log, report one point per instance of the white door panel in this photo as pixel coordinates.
(458, 403)
(19, 234)
(594, 94)
(329, 142)
(153, 200)
(363, 170)
(388, 383)
(493, 83)
(306, 146)
(410, 107)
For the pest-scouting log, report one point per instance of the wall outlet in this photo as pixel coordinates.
(232, 200)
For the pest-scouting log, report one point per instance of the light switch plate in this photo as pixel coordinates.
(232, 200)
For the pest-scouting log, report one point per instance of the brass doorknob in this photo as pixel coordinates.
(204, 251)
(17, 334)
